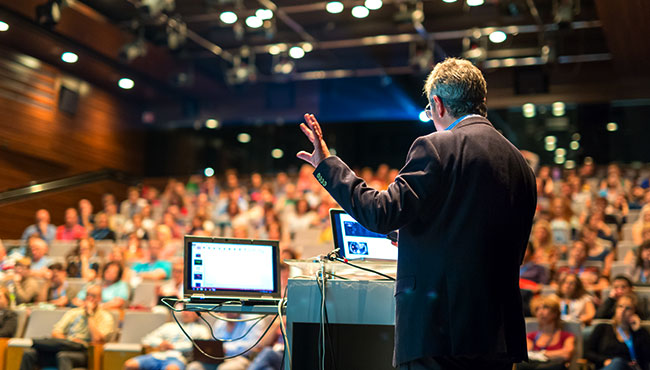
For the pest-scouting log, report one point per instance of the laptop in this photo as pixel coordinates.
(355, 242)
(218, 270)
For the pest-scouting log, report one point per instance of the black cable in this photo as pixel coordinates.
(335, 258)
(229, 340)
(328, 332)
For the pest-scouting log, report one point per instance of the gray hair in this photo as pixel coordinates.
(460, 85)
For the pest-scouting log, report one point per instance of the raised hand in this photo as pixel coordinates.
(314, 133)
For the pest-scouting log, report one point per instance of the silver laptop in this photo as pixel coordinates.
(219, 270)
(355, 242)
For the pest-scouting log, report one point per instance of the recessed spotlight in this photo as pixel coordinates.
(569, 165)
(264, 14)
(498, 37)
(211, 123)
(423, 117)
(244, 138)
(334, 7)
(228, 17)
(360, 11)
(529, 110)
(448, 1)
(208, 172)
(307, 47)
(576, 136)
(574, 145)
(69, 57)
(274, 50)
(612, 126)
(4, 26)
(296, 52)
(126, 83)
(560, 159)
(558, 108)
(475, 2)
(550, 139)
(560, 152)
(373, 4)
(254, 22)
(277, 153)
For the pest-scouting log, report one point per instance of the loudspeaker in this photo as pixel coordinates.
(68, 100)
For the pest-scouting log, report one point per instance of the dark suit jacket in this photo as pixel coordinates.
(463, 203)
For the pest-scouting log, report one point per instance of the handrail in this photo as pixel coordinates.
(18, 194)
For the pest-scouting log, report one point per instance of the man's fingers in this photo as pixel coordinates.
(304, 156)
(316, 125)
(309, 133)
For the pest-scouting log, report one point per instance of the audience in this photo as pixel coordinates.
(641, 273)
(576, 304)
(43, 228)
(621, 285)
(55, 290)
(8, 318)
(40, 260)
(70, 230)
(115, 292)
(22, 284)
(153, 268)
(101, 230)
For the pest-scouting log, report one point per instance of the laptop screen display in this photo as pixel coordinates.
(356, 242)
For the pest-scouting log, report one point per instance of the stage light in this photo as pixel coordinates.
(575, 136)
(569, 165)
(296, 52)
(475, 2)
(498, 37)
(560, 159)
(423, 117)
(334, 7)
(558, 108)
(264, 14)
(254, 22)
(244, 138)
(274, 49)
(211, 123)
(4, 26)
(307, 47)
(550, 139)
(612, 126)
(125, 83)
(549, 147)
(360, 11)
(560, 152)
(209, 172)
(574, 145)
(69, 57)
(529, 110)
(283, 67)
(277, 153)
(228, 17)
(373, 4)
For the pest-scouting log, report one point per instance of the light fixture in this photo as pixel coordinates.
(211, 123)
(560, 152)
(575, 136)
(570, 164)
(307, 47)
(283, 67)
(529, 110)
(296, 52)
(209, 172)
(423, 117)
(498, 37)
(560, 159)
(132, 50)
(574, 145)
(360, 11)
(475, 2)
(277, 153)
(254, 22)
(228, 17)
(4, 26)
(550, 139)
(558, 108)
(448, 1)
(69, 57)
(373, 4)
(549, 147)
(264, 14)
(612, 126)
(243, 138)
(49, 14)
(125, 83)
(334, 7)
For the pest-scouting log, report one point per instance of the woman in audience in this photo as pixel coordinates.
(79, 260)
(545, 250)
(8, 318)
(530, 270)
(303, 218)
(599, 250)
(549, 347)
(575, 303)
(622, 345)
(563, 222)
(639, 225)
(620, 286)
(641, 272)
(115, 292)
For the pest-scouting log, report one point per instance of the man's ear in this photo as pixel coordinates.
(439, 108)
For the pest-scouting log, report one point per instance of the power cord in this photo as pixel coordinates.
(333, 256)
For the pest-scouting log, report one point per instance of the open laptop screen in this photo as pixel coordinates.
(356, 242)
(231, 267)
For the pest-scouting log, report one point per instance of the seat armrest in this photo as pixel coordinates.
(20, 342)
(125, 347)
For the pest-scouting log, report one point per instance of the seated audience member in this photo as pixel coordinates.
(86, 218)
(133, 204)
(55, 289)
(563, 222)
(40, 261)
(5, 263)
(631, 256)
(641, 273)
(153, 268)
(101, 230)
(79, 260)
(173, 287)
(42, 228)
(171, 346)
(575, 303)
(622, 345)
(542, 238)
(599, 250)
(589, 275)
(303, 218)
(25, 287)
(549, 347)
(70, 230)
(71, 335)
(620, 286)
(640, 225)
(597, 222)
(530, 270)
(135, 226)
(8, 318)
(115, 292)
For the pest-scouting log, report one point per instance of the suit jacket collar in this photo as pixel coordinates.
(472, 121)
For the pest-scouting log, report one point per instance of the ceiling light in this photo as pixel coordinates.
(498, 37)
(307, 47)
(4, 26)
(550, 139)
(334, 7)
(558, 108)
(264, 14)
(48, 14)
(560, 152)
(612, 126)
(274, 50)
(254, 22)
(574, 145)
(228, 17)
(277, 153)
(283, 67)
(560, 159)
(423, 117)
(126, 83)
(549, 147)
(575, 136)
(373, 4)
(211, 123)
(569, 165)
(360, 11)
(475, 2)
(448, 1)
(244, 138)
(69, 57)
(296, 52)
(209, 172)
(528, 110)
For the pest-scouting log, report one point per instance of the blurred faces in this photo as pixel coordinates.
(177, 272)
(579, 252)
(624, 310)
(94, 295)
(38, 247)
(620, 287)
(569, 285)
(71, 217)
(111, 273)
(43, 216)
(154, 249)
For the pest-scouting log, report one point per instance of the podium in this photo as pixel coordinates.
(360, 330)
